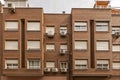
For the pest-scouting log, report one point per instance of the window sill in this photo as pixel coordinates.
(80, 31)
(80, 50)
(11, 31)
(115, 51)
(11, 69)
(80, 69)
(102, 31)
(116, 69)
(11, 50)
(33, 31)
(33, 50)
(102, 50)
(102, 69)
(50, 50)
(33, 69)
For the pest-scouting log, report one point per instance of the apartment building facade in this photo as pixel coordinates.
(78, 46)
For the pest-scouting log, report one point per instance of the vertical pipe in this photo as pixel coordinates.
(23, 42)
(92, 57)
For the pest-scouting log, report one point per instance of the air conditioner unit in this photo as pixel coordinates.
(47, 69)
(117, 33)
(11, 8)
(105, 68)
(63, 33)
(63, 69)
(63, 51)
(54, 69)
(50, 34)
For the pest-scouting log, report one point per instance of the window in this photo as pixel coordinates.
(80, 45)
(116, 65)
(50, 47)
(63, 47)
(103, 64)
(80, 64)
(33, 45)
(115, 29)
(50, 64)
(11, 26)
(63, 30)
(11, 64)
(116, 48)
(33, 64)
(103, 45)
(11, 45)
(80, 26)
(63, 65)
(102, 26)
(50, 30)
(33, 26)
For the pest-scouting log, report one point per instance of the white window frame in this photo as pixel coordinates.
(103, 64)
(81, 64)
(80, 26)
(102, 45)
(11, 26)
(11, 64)
(102, 26)
(11, 45)
(50, 47)
(35, 65)
(36, 45)
(33, 26)
(116, 65)
(50, 64)
(63, 65)
(116, 47)
(81, 44)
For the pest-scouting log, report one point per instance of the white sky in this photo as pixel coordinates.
(57, 6)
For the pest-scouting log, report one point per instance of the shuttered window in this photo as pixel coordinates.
(63, 29)
(103, 64)
(11, 64)
(64, 47)
(50, 30)
(50, 64)
(102, 45)
(50, 47)
(11, 25)
(33, 45)
(115, 29)
(116, 48)
(102, 26)
(80, 26)
(80, 45)
(33, 64)
(63, 65)
(11, 45)
(33, 26)
(80, 64)
(116, 65)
